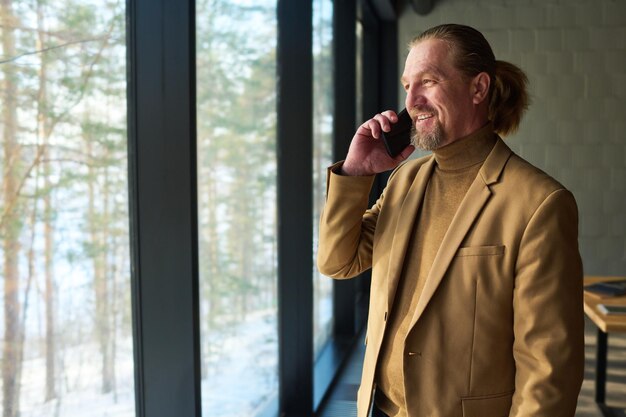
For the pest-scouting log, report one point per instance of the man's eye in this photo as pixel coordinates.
(428, 82)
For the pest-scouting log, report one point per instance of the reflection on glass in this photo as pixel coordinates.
(359, 72)
(322, 157)
(236, 79)
(66, 335)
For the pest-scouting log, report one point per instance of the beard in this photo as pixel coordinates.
(427, 141)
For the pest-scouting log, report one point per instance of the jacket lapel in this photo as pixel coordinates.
(471, 206)
(404, 228)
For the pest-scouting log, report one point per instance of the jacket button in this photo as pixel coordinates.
(415, 353)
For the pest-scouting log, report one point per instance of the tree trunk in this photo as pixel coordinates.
(97, 230)
(211, 254)
(43, 132)
(12, 226)
(49, 277)
(50, 292)
(211, 273)
(108, 368)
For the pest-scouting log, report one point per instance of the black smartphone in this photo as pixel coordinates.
(399, 137)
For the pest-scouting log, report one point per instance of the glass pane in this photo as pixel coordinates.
(64, 238)
(236, 73)
(359, 72)
(322, 158)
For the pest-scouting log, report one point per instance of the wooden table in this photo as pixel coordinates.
(606, 324)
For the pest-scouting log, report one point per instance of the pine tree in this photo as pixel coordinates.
(10, 220)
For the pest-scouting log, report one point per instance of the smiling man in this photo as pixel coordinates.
(476, 297)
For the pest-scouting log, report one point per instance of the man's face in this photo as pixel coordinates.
(438, 96)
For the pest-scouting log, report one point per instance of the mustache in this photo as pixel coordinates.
(414, 111)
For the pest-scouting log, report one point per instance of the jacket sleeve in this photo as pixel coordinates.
(346, 230)
(548, 312)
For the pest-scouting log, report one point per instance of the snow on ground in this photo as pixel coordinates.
(242, 382)
(78, 385)
(246, 374)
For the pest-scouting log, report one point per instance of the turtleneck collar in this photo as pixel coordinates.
(467, 151)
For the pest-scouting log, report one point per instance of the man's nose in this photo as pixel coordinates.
(414, 97)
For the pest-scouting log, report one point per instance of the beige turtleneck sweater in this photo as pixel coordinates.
(457, 165)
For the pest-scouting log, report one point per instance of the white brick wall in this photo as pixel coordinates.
(574, 52)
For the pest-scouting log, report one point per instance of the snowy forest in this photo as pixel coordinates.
(66, 334)
(64, 207)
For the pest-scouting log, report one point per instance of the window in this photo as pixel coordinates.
(236, 105)
(322, 158)
(67, 345)
(359, 71)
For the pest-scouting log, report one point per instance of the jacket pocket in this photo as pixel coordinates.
(497, 405)
(481, 250)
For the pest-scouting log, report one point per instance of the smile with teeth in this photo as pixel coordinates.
(424, 116)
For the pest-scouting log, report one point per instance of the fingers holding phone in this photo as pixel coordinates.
(379, 144)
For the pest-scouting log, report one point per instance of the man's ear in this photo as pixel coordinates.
(480, 87)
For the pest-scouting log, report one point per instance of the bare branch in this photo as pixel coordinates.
(13, 201)
(105, 38)
(86, 78)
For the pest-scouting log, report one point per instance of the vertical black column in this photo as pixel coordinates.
(371, 62)
(389, 80)
(601, 355)
(344, 57)
(344, 44)
(379, 85)
(163, 212)
(295, 204)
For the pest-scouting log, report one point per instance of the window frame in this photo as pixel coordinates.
(163, 207)
(163, 203)
(295, 223)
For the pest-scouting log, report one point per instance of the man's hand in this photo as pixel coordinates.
(367, 154)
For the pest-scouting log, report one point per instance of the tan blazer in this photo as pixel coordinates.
(498, 330)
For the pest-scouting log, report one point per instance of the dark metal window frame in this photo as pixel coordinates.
(163, 206)
(379, 85)
(295, 205)
(350, 297)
